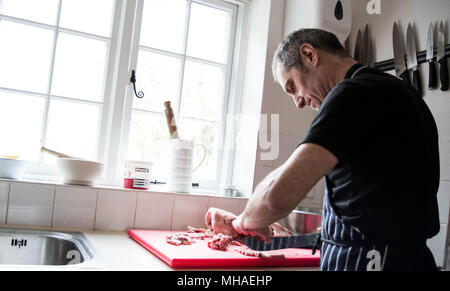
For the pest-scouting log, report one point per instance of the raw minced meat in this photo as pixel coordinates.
(220, 242)
(179, 239)
(260, 254)
(217, 241)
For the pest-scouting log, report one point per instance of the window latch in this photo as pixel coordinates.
(139, 94)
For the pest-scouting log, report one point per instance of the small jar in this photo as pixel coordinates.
(137, 175)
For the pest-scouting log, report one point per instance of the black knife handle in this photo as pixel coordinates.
(417, 82)
(444, 74)
(432, 81)
(405, 77)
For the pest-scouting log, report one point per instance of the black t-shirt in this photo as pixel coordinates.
(386, 141)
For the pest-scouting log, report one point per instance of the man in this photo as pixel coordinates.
(376, 143)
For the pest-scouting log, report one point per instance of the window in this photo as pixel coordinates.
(64, 63)
(188, 63)
(52, 72)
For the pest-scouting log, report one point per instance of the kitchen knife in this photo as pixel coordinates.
(282, 242)
(411, 58)
(358, 44)
(399, 56)
(347, 45)
(371, 59)
(442, 59)
(365, 47)
(430, 55)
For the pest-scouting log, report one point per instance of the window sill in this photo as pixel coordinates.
(55, 205)
(152, 188)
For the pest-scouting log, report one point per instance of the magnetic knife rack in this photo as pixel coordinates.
(388, 65)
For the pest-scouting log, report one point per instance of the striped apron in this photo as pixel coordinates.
(346, 248)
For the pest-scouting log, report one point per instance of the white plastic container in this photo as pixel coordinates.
(137, 175)
(180, 165)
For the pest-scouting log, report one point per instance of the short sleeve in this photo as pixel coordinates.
(342, 122)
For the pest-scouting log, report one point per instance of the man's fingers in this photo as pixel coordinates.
(262, 236)
(208, 219)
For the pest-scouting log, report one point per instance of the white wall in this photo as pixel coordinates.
(293, 122)
(420, 13)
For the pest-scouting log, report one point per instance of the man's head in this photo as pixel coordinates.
(308, 64)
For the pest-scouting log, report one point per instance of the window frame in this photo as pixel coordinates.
(221, 123)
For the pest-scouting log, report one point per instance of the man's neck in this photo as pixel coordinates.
(341, 68)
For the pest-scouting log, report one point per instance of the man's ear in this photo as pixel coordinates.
(309, 55)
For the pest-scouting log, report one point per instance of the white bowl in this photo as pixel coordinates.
(12, 169)
(79, 172)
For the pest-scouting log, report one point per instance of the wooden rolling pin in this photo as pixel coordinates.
(170, 118)
(55, 153)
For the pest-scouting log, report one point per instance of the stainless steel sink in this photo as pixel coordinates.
(26, 247)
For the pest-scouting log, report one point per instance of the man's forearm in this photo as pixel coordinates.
(272, 200)
(259, 211)
(281, 191)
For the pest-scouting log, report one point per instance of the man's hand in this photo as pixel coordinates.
(279, 230)
(220, 221)
(263, 233)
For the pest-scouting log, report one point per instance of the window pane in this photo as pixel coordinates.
(25, 56)
(79, 67)
(163, 24)
(43, 11)
(208, 33)
(205, 134)
(158, 77)
(202, 91)
(148, 134)
(20, 125)
(72, 128)
(91, 16)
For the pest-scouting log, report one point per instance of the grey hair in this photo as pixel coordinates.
(287, 55)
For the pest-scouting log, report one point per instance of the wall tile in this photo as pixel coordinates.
(4, 193)
(115, 210)
(189, 210)
(30, 204)
(74, 207)
(154, 211)
(439, 103)
(437, 245)
(227, 204)
(444, 151)
(444, 201)
(447, 250)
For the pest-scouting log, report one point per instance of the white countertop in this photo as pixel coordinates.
(120, 252)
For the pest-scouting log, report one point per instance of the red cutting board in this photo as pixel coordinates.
(199, 255)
